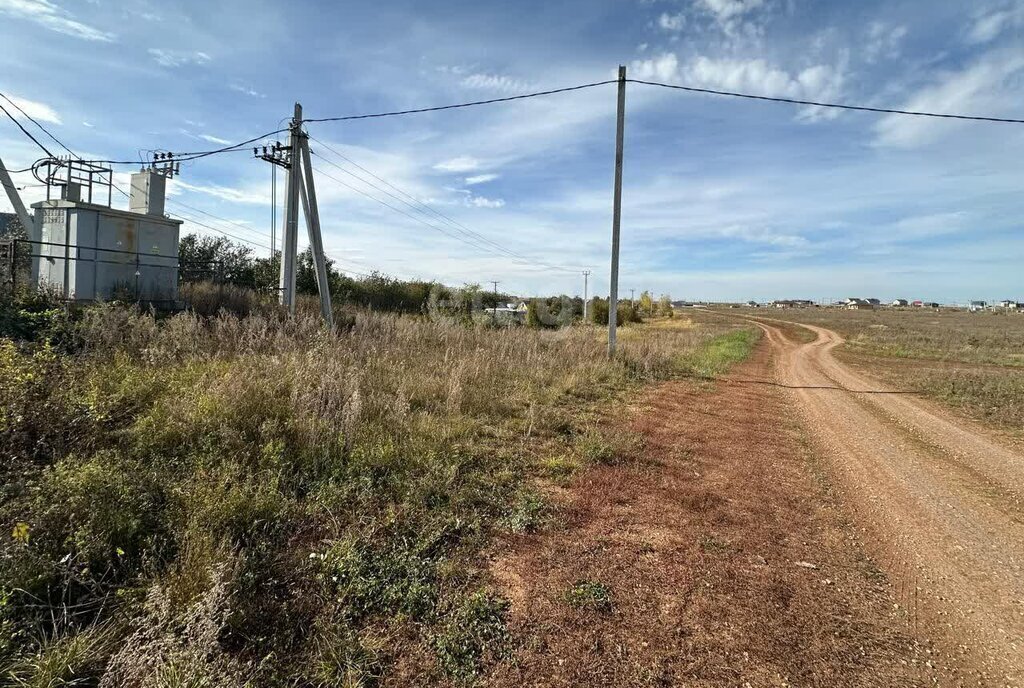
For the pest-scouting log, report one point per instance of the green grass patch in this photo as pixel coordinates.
(721, 353)
(587, 594)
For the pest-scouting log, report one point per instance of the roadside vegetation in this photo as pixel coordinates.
(973, 362)
(228, 497)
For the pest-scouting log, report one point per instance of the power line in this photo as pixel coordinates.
(839, 106)
(474, 103)
(196, 155)
(423, 206)
(41, 127)
(436, 228)
(26, 132)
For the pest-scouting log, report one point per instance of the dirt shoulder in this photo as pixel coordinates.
(717, 556)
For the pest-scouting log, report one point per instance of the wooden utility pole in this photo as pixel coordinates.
(613, 292)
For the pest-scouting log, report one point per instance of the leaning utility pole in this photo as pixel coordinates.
(15, 198)
(586, 276)
(299, 187)
(613, 292)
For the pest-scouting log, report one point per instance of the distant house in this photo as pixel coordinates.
(977, 306)
(860, 304)
(900, 303)
(753, 304)
(874, 302)
(792, 303)
(930, 304)
(1010, 304)
(917, 304)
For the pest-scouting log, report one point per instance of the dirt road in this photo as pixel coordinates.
(941, 500)
(723, 556)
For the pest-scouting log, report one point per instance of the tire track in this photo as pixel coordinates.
(923, 482)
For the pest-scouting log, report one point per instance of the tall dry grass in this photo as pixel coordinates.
(257, 501)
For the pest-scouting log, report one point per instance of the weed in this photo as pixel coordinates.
(474, 633)
(586, 594)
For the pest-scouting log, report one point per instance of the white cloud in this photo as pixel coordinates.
(988, 26)
(247, 91)
(983, 87)
(227, 193)
(54, 18)
(178, 58)
(480, 179)
(88, 125)
(495, 82)
(35, 110)
(758, 77)
(214, 139)
(662, 68)
(672, 22)
(463, 163)
(481, 202)
(730, 15)
(725, 10)
(883, 41)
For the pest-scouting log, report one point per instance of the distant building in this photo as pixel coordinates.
(753, 304)
(792, 303)
(855, 304)
(977, 306)
(1010, 304)
(900, 303)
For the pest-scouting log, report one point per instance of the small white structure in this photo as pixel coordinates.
(92, 252)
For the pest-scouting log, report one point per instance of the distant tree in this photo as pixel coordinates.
(532, 317)
(665, 306)
(646, 303)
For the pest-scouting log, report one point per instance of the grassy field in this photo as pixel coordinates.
(254, 501)
(971, 361)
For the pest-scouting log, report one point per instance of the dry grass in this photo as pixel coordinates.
(236, 500)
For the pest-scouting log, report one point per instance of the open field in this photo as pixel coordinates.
(220, 501)
(973, 362)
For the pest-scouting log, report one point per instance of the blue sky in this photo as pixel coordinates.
(723, 198)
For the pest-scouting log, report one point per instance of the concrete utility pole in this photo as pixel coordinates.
(316, 242)
(632, 300)
(494, 313)
(613, 292)
(300, 187)
(586, 276)
(290, 235)
(15, 198)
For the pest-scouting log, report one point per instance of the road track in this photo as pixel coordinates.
(939, 497)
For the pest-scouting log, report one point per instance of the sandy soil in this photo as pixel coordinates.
(726, 559)
(939, 497)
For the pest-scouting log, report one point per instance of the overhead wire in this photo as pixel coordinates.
(421, 207)
(455, 106)
(417, 218)
(838, 106)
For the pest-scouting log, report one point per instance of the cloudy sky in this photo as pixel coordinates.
(723, 198)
